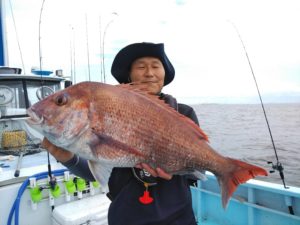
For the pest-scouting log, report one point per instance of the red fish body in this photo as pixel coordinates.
(120, 126)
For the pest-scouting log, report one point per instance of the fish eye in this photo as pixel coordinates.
(61, 100)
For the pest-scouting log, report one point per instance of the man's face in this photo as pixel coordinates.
(149, 71)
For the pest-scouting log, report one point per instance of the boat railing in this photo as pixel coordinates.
(254, 203)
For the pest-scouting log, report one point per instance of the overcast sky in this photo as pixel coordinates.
(199, 38)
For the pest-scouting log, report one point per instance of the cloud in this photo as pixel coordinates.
(203, 46)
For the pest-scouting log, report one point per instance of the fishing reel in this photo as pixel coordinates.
(52, 182)
(278, 166)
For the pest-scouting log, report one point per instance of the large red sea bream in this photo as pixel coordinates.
(121, 126)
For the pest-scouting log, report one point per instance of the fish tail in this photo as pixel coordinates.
(239, 173)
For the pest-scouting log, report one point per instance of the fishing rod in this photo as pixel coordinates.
(17, 36)
(87, 46)
(103, 44)
(72, 54)
(277, 166)
(40, 47)
(100, 45)
(52, 179)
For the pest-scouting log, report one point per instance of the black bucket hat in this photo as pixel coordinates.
(123, 60)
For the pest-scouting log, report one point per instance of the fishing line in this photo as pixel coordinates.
(278, 166)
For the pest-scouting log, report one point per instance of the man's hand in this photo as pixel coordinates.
(59, 154)
(158, 172)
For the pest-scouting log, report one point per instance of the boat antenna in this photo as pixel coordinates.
(277, 166)
(52, 181)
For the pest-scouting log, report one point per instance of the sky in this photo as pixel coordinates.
(200, 38)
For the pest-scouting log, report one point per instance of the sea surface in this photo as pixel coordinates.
(240, 131)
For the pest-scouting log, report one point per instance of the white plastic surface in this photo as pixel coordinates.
(89, 210)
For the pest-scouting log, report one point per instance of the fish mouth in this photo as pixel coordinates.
(34, 119)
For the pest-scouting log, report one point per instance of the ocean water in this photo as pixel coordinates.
(240, 131)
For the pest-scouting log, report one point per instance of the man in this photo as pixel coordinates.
(142, 195)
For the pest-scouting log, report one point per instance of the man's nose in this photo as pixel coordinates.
(149, 72)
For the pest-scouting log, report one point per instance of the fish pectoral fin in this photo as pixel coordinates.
(193, 174)
(199, 175)
(107, 147)
(101, 172)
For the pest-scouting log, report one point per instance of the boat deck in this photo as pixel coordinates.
(254, 203)
(29, 165)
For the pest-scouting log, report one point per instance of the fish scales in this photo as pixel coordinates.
(121, 126)
(146, 129)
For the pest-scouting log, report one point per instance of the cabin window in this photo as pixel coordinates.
(12, 102)
(18, 95)
(34, 89)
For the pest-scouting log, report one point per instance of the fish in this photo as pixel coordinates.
(123, 125)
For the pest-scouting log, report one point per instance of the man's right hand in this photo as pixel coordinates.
(157, 172)
(59, 154)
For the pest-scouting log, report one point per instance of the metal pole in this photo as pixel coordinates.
(3, 50)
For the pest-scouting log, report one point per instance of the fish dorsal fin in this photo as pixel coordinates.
(140, 88)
